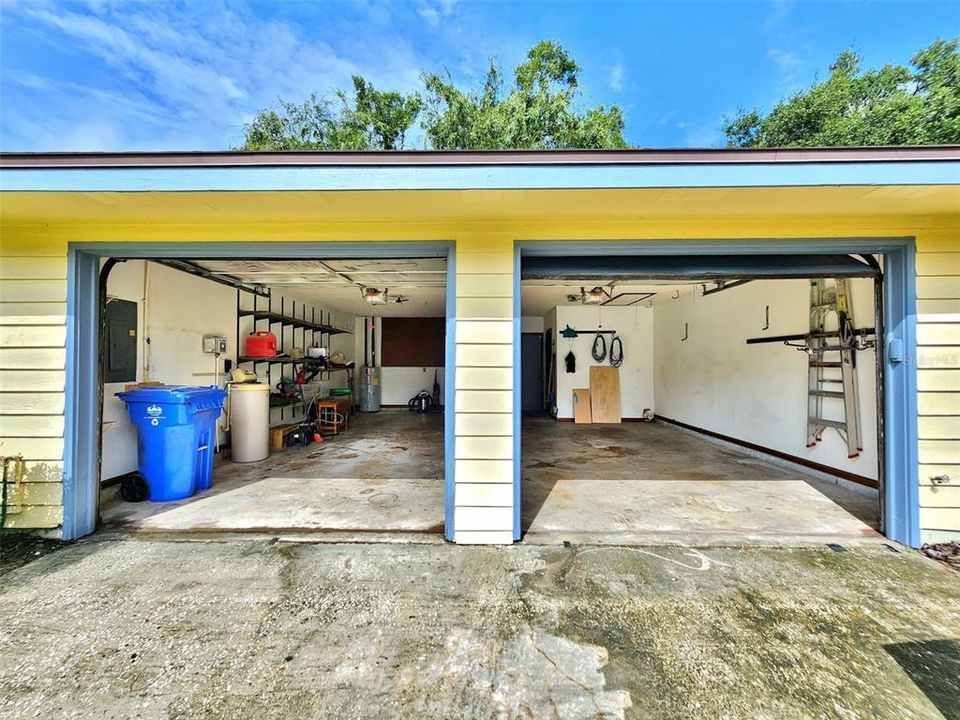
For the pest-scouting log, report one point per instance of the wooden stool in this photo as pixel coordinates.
(333, 414)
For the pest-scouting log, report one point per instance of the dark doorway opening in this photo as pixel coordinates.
(531, 379)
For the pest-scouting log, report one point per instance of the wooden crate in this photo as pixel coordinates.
(278, 435)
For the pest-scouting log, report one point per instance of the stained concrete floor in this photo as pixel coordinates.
(652, 483)
(384, 475)
(629, 484)
(138, 627)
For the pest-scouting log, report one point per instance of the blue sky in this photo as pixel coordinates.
(163, 75)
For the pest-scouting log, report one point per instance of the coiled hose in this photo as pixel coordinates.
(599, 350)
(616, 351)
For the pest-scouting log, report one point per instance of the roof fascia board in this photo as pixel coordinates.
(480, 157)
(494, 177)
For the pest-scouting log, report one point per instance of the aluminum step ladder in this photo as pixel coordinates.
(831, 351)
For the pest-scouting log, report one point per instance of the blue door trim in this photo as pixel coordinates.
(81, 472)
(517, 401)
(449, 397)
(901, 521)
(901, 516)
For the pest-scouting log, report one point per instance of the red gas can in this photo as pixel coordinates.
(261, 344)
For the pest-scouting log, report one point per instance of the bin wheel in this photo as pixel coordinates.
(134, 488)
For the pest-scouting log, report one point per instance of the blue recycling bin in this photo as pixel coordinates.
(176, 435)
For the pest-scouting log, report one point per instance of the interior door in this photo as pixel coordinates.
(531, 378)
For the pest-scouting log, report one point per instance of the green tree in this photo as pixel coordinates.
(895, 105)
(536, 112)
(370, 119)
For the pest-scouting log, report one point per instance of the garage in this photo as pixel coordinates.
(700, 261)
(700, 399)
(331, 373)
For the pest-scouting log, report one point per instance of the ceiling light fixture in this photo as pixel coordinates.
(374, 296)
(591, 297)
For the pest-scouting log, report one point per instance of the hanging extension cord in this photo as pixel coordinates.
(616, 351)
(599, 350)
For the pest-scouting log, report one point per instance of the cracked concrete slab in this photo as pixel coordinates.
(131, 626)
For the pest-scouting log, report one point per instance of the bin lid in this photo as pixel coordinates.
(174, 394)
(251, 387)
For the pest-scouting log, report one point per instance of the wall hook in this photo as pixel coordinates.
(676, 294)
(686, 332)
(767, 324)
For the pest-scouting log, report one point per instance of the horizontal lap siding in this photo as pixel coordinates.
(938, 377)
(483, 448)
(33, 294)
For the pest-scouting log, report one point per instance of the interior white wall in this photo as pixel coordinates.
(634, 326)
(397, 384)
(756, 393)
(180, 309)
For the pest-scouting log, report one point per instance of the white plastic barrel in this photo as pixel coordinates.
(249, 422)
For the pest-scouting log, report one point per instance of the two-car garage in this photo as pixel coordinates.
(637, 346)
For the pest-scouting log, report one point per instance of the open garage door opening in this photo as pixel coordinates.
(331, 375)
(700, 399)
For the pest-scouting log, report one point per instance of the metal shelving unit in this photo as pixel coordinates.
(314, 327)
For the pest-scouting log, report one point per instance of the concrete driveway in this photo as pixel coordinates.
(227, 627)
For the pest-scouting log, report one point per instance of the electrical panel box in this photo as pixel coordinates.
(120, 341)
(214, 344)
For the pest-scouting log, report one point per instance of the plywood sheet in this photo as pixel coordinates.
(582, 415)
(605, 394)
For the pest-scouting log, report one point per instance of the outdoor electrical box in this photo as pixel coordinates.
(120, 341)
(214, 344)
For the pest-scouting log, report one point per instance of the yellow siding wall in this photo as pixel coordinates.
(33, 293)
(938, 362)
(483, 449)
(32, 338)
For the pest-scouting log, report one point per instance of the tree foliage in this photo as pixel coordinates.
(894, 105)
(370, 119)
(537, 111)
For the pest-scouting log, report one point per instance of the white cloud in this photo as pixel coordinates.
(787, 61)
(159, 76)
(616, 77)
(790, 67)
(434, 12)
(430, 14)
(779, 12)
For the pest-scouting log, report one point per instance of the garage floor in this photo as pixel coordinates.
(383, 475)
(652, 483)
(629, 484)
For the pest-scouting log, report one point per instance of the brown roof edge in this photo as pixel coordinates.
(671, 156)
